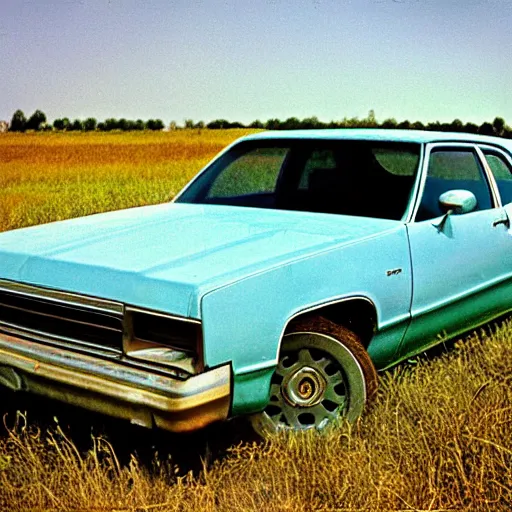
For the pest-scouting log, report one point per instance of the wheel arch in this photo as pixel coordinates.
(357, 313)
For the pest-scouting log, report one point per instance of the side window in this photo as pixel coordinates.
(502, 174)
(449, 170)
(255, 172)
(398, 163)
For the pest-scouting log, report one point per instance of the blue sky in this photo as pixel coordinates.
(257, 59)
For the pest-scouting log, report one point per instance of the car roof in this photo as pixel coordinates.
(381, 134)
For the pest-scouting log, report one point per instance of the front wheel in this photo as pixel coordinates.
(323, 373)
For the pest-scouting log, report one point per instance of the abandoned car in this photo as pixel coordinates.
(287, 272)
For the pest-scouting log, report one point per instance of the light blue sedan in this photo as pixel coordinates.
(294, 266)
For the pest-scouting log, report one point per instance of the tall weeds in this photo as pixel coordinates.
(439, 437)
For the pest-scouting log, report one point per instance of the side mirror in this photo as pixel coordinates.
(457, 202)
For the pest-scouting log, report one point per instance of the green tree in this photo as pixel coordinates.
(155, 124)
(36, 120)
(310, 123)
(111, 124)
(90, 124)
(292, 123)
(273, 124)
(417, 125)
(389, 123)
(18, 122)
(456, 126)
(470, 128)
(189, 123)
(370, 121)
(486, 129)
(498, 126)
(217, 124)
(123, 125)
(256, 124)
(76, 126)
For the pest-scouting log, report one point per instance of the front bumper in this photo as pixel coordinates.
(107, 386)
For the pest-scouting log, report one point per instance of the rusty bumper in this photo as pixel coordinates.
(114, 388)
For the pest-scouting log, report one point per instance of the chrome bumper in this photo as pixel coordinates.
(112, 388)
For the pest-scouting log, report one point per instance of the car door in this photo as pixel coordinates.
(461, 263)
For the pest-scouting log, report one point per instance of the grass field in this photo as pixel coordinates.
(438, 437)
(45, 177)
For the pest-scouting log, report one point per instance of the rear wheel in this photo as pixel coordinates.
(323, 373)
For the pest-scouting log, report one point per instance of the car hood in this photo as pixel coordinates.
(165, 257)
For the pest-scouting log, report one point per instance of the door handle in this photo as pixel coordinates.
(504, 220)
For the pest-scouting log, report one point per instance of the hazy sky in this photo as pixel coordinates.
(256, 59)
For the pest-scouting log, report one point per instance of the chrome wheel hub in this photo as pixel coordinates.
(304, 388)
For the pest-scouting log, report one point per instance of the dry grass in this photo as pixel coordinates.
(46, 177)
(438, 438)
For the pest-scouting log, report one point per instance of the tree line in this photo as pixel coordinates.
(38, 122)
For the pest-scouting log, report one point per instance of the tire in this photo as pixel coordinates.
(323, 373)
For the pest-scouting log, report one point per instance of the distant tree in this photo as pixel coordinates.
(111, 124)
(199, 125)
(404, 125)
(417, 125)
(101, 126)
(217, 124)
(18, 122)
(58, 124)
(123, 124)
(456, 126)
(470, 128)
(173, 125)
(370, 121)
(131, 125)
(235, 124)
(434, 126)
(155, 124)
(486, 129)
(139, 125)
(311, 123)
(292, 123)
(36, 120)
(189, 123)
(256, 124)
(90, 124)
(273, 124)
(353, 122)
(389, 123)
(498, 126)
(76, 126)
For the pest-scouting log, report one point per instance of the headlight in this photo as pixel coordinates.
(162, 339)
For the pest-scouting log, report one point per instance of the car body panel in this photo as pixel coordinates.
(272, 298)
(460, 273)
(165, 257)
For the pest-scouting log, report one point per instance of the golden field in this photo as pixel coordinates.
(46, 177)
(438, 436)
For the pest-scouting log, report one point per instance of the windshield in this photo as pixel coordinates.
(364, 178)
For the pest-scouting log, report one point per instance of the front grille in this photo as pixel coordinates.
(101, 327)
(50, 316)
